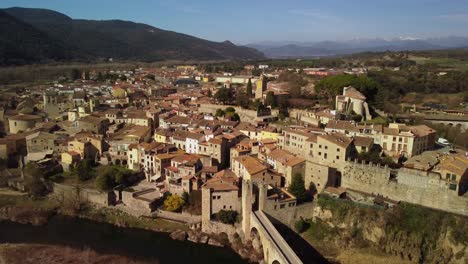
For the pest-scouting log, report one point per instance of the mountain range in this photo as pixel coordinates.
(292, 49)
(30, 35)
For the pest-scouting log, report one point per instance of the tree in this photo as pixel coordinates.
(227, 216)
(270, 99)
(249, 88)
(109, 176)
(224, 95)
(75, 74)
(83, 170)
(242, 99)
(297, 188)
(283, 112)
(33, 180)
(219, 113)
(174, 203)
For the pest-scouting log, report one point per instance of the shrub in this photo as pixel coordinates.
(174, 203)
(301, 225)
(227, 216)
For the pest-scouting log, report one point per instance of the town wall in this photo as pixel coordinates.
(245, 114)
(61, 192)
(289, 215)
(407, 185)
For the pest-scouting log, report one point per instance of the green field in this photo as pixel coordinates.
(446, 63)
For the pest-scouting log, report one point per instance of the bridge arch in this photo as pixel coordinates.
(275, 262)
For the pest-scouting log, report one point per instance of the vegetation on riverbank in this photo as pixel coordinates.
(410, 232)
(26, 210)
(54, 254)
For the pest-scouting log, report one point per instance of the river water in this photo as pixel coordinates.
(108, 239)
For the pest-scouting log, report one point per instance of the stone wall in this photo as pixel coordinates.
(404, 185)
(245, 114)
(289, 215)
(61, 192)
(218, 227)
(179, 217)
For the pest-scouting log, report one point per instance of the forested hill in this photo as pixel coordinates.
(37, 35)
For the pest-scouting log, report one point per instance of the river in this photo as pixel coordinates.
(104, 238)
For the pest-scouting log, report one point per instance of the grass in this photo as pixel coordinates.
(116, 217)
(446, 63)
(376, 121)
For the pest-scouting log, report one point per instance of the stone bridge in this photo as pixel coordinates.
(445, 119)
(255, 223)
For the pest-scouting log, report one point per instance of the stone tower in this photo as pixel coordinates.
(246, 207)
(261, 87)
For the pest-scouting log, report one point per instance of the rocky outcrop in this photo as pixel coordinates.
(180, 235)
(379, 229)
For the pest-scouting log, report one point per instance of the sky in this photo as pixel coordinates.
(254, 21)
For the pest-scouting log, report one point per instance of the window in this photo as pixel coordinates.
(281, 206)
(325, 155)
(337, 157)
(337, 150)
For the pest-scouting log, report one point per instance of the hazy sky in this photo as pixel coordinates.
(243, 21)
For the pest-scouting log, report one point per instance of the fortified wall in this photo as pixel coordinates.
(63, 192)
(245, 114)
(412, 186)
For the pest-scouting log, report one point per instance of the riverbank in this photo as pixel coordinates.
(43, 213)
(18, 208)
(53, 254)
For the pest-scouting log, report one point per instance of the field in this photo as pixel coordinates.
(444, 63)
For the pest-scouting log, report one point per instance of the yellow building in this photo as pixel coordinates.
(261, 87)
(162, 135)
(269, 132)
(70, 157)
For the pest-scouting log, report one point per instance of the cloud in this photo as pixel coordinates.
(314, 14)
(455, 17)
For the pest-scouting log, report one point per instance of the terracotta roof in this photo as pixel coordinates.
(363, 141)
(337, 138)
(285, 157)
(353, 93)
(25, 117)
(251, 164)
(224, 180)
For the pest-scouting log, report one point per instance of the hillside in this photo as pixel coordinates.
(21, 43)
(90, 39)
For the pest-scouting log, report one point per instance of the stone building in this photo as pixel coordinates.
(22, 122)
(353, 101)
(220, 193)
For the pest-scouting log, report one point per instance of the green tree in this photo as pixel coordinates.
(109, 176)
(224, 95)
(174, 203)
(297, 188)
(219, 112)
(242, 99)
(270, 99)
(227, 216)
(249, 88)
(83, 170)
